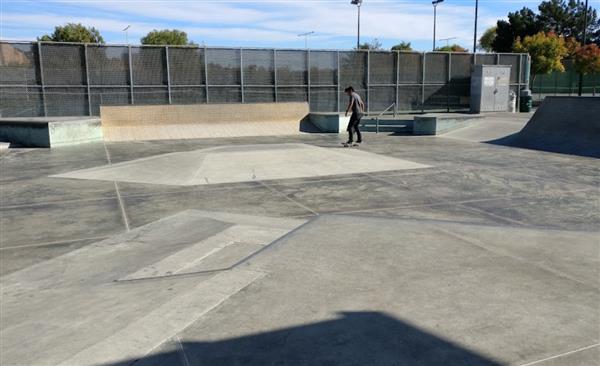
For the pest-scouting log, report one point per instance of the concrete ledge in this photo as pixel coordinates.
(50, 131)
(436, 124)
(164, 122)
(330, 122)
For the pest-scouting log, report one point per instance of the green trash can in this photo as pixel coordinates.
(526, 101)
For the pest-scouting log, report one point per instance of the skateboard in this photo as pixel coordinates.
(345, 144)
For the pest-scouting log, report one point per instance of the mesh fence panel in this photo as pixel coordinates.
(353, 70)
(19, 64)
(188, 95)
(63, 64)
(382, 68)
(436, 97)
(223, 67)
(150, 95)
(323, 68)
(409, 98)
(259, 94)
(513, 61)
(291, 68)
(149, 66)
(290, 94)
(410, 68)
(108, 65)
(258, 67)
(186, 66)
(323, 99)
(21, 102)
(436, 68)
(108, 96)
(224, 94)
(381, 97)
(66, 101)
(373, 75)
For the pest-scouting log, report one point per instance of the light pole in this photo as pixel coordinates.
(358, 4)
(585, 25)
(475, 31)
(435, 4)
(306, 35)
(126, 29)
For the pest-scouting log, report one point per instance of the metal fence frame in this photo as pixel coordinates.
(276, 86)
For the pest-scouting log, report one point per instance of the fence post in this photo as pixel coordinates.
(130, 75)
(168, 73)
(42, 79)
(206, 72)
(87, 78)
(423, 82)
(368, 81)
(275, 74)
(339, 92)
(242, 72)
(397, 82)
(308, 75)
(449, 81)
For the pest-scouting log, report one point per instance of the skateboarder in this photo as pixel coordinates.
(357, 106)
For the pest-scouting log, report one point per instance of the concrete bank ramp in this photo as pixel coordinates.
(177, 122)
(569, 125)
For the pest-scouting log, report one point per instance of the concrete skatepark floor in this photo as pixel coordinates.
(461, 253)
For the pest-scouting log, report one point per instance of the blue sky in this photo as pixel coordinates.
(260, 23)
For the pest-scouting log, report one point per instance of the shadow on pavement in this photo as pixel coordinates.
(356, 338)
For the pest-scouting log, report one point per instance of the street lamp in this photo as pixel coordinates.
(358, 4)
(475, 32)
(126, 33)
(306, 35)
(435, 4)
(585, 26)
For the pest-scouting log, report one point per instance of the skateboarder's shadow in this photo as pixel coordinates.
(355, 338)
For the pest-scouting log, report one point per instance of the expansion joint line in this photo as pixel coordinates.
(119, 198)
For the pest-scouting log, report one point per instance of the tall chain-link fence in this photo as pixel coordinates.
(61, 79)
(564, 83)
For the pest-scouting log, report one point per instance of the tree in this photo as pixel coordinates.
(402, 46)
(587, 59)
(520, 24)
(566, 18)
(166, 37)
(72, 32)
(487, 39)
(547, 50)
(374, 45)
(452, 48)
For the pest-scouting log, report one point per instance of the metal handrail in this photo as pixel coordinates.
(381, 114)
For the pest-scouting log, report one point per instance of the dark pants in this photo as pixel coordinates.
(353, 127)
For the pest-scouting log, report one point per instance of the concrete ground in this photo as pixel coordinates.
(444, 251)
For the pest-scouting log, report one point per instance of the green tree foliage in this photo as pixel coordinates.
(402, 46)
(563, 17)
(374, 45)
(547, 51)
(587, 59)
(166, 37)
(487, 39)
(566, 18)
(452, 48)
(520, 24)
(72, 32)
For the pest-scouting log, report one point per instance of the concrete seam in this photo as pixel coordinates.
(499, 217)
(288, 198)
(561, 355)
(119, 198)
(480, 244)
(54, 243)
(185, 359)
